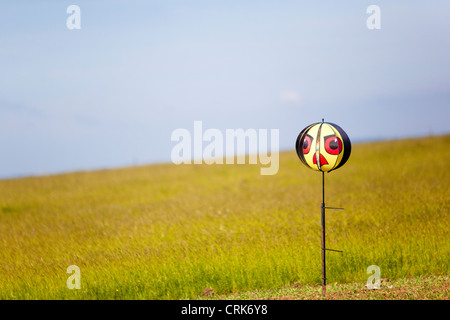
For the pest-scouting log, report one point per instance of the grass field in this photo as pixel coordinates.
(168, 232)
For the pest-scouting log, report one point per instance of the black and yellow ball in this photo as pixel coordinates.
(323, 146)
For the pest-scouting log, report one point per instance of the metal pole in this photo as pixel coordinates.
(324, 281)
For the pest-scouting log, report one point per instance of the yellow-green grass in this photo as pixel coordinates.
(167, 231)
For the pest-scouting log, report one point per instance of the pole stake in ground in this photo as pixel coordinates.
(324, 147)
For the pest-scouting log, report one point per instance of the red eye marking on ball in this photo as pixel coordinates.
(307, 144)
(333, 145)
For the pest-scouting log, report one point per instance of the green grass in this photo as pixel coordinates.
(167, 231)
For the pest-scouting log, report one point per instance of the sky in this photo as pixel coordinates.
(111, 93)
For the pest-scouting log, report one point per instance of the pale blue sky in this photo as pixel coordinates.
(111, 94)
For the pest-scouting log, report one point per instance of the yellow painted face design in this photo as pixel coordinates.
(323, 146)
